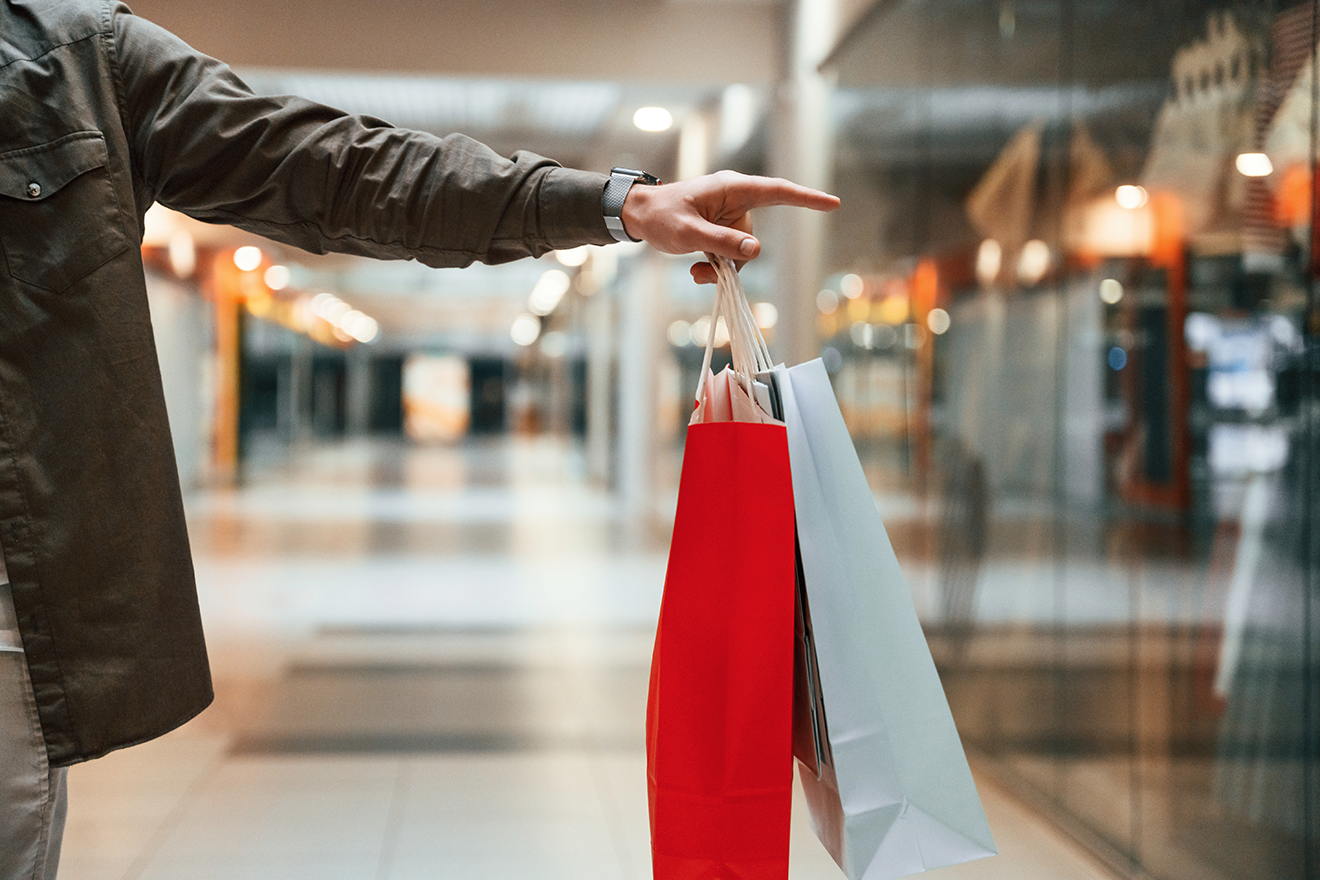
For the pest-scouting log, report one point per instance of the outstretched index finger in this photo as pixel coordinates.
(760, 192)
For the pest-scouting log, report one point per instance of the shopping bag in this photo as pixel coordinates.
(719, 711)
(885, 777)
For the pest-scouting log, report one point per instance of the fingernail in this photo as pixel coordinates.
(748, 247)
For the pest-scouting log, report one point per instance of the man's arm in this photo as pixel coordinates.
(320, 179)
(323, 180)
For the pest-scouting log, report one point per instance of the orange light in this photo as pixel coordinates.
(1292, 203)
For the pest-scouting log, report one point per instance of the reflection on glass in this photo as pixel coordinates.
(827, 301)
(1096, 429)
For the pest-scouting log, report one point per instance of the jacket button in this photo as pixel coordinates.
(33, 189)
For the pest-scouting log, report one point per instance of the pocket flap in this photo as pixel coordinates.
(34, 173)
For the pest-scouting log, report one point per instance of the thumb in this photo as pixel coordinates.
(726, 241)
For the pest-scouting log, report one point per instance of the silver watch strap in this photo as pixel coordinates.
(616, 190)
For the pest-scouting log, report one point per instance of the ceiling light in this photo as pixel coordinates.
(322, 302)
(336, 311)
(525, 329)
(938, 321)
(701, 331)
(680, 333)
(247, 258)
(1130, 196)
(989, 258)
(653, 119)
(1254, 165)
(277, 277)
(182, 253)
(1034, 261)
(360, 326)
(573, 256)
(547, 293)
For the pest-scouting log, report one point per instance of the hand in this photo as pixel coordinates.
(710, 214)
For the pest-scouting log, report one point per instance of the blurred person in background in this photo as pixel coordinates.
(103, 113)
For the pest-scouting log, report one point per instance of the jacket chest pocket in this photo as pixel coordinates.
(59, 218)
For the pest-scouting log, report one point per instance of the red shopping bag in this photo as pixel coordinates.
(719, 713)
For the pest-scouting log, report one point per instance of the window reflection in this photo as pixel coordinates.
(1076, 346)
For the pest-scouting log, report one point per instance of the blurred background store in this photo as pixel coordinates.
(1070, 309)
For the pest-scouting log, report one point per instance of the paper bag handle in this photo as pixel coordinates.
(746, 344)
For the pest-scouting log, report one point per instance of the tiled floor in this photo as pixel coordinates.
(182, 808)
(429, 664)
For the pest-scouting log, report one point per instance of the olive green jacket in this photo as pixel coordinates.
(101, 114)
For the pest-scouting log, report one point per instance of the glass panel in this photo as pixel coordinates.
(1072, 323)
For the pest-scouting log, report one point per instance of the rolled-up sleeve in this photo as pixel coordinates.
(323, 180)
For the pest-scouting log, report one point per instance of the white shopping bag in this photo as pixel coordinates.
(890, 792)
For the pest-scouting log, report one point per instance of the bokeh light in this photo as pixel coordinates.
(680, 333)
(525, 329)
(653, 119)
(938, 321)
(247, 257)
(277, 277)
(1130, 196)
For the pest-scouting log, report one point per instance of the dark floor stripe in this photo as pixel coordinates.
(438, 743)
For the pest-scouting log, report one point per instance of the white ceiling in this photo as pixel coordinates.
(583, 124)
(640, 41)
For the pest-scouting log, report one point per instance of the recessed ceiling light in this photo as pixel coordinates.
(653, 119)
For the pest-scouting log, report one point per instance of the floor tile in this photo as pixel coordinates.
(301, 868)
(338, 822)
(497, 867)
(78, 867)
(504, 836)
(314, 773)
(107, 828)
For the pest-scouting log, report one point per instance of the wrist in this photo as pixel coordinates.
(634, 211)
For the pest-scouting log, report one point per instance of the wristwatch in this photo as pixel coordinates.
(616, 190)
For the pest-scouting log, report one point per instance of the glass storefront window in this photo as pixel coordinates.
(1072, 322)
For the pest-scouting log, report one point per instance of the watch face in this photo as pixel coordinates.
(635, 176)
